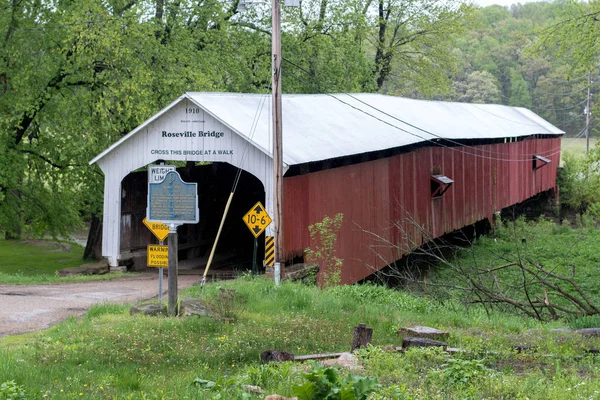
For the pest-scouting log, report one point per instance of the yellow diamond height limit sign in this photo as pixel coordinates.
(257, 219)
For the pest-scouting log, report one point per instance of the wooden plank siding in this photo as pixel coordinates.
(381, 197)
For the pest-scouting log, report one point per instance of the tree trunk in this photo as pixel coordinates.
(93, 247)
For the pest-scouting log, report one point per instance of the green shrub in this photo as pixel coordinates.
(323, 236)
(9, 390)
(463, 372)
(325, 384)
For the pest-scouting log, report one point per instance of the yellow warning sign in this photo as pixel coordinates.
(158, 256)
(270, 251)
(160, 230)
(257, 219)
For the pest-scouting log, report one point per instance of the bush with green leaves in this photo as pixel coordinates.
(579, 182)
(325, 383)
(458, 371)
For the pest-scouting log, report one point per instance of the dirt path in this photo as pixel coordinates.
(27, 308)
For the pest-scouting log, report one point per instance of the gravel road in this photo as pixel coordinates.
(27, 308)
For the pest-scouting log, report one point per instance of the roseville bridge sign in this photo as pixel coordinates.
(173, 201)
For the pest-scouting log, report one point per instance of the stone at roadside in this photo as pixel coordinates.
(98, 268)
(306, 273)
(422, 342)
(253, 389)
(424, 332)
(193, 307)
(346, 360)
(584, 331)
(149, 309)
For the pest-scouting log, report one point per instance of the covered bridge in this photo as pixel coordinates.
(394, 167)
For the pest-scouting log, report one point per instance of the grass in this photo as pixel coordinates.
(576, 145)
(109, 354)
(31, 262)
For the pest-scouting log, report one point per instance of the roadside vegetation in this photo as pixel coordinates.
(110, 354)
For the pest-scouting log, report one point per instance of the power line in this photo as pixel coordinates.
(561, 109)
(536, 90)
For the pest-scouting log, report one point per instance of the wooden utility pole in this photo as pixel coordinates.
(587, 116)
(277, 144)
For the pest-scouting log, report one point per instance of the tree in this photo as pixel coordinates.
(76, 76)
(574, 37)
(367, 45)
(519, 92)
(479, 87)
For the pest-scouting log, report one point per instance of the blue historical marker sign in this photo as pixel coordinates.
(173, 201)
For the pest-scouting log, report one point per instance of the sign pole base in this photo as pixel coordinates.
(277, 273)
(160, 284)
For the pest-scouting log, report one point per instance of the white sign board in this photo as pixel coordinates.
(157, 173)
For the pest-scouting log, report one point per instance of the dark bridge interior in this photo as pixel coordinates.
(215, 181)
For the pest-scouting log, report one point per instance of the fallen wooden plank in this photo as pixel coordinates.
(321, 356)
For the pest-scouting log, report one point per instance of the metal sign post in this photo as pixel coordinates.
(254, 267)
(161, 231)
(160, 280)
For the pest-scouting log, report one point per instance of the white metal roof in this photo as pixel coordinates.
(319, 127)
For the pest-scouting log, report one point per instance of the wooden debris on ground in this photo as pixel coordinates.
(422, 342)
(524, 348)
(275, 356)
(318, 356)
(362, 336)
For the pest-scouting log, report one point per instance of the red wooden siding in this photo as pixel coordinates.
(375, 195)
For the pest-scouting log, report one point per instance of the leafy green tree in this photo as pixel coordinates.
(519, 92)
(479, 87)
(367, 45)
(575, 36)
(76, 76)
